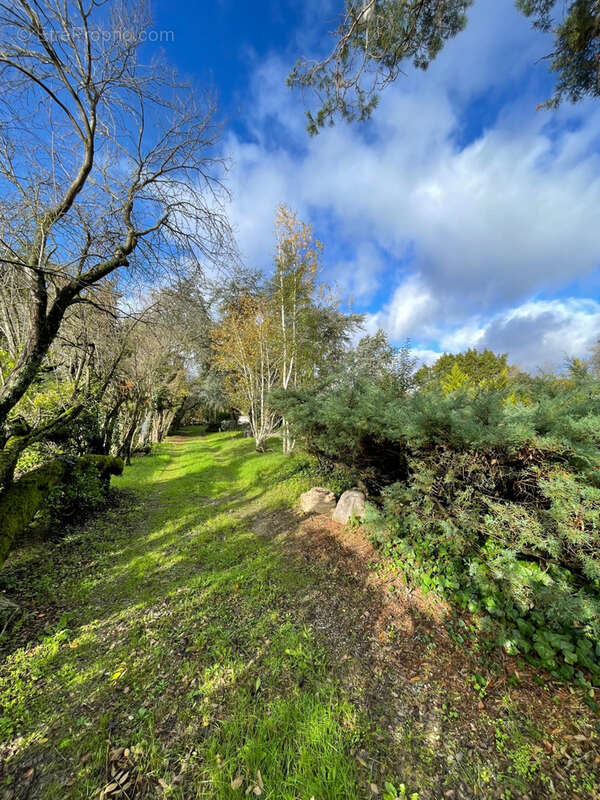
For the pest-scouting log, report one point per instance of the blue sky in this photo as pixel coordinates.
(458, 216)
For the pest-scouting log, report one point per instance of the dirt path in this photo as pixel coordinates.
(202, 640)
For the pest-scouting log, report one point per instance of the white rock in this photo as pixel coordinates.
(317, 501)
(350, 504)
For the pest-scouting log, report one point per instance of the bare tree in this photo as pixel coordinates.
(156, 378)
(13, 312)
(106, 166)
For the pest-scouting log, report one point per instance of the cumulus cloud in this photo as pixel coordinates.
(412, 311)
(439, 227)
(537, 334)
(544, 334)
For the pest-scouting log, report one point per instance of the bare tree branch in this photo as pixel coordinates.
(116, 169)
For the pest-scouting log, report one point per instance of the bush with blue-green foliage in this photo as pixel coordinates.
(489, 495)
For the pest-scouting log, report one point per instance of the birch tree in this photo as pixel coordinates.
(247, 350)
(296, 262)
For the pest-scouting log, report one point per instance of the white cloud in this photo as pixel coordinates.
(455, 239)
(412, 308)
(425, 356)
(539, 334)
(470, 334)
(490, 223)
(545, 333)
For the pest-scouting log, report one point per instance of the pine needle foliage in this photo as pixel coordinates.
(491, 495)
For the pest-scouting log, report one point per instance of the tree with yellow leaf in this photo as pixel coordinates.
(284, 337)
(471, 371)
(247, 350)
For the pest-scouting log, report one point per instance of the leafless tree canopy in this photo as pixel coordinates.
(107, 165)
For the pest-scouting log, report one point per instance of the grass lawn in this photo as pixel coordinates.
(183, 644)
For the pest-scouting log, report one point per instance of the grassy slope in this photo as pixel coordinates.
(171, 628)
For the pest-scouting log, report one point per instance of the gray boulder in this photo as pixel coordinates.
(350, 504)
(317, 501)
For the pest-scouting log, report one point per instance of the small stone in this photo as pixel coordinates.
(317, 501)
(350, 504)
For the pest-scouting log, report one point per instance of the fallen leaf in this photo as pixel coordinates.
(259, 779)
(374, 788)
(236, 783)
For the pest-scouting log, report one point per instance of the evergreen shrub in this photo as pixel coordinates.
(490, 496)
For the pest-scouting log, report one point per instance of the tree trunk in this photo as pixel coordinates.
(261, 444)
(127, 444)
(16, 444)
(108, 428)
(44, 328)
(288, 442)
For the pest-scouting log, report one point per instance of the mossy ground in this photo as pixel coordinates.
(183, 626)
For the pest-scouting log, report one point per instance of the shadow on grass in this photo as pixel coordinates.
(192, 627)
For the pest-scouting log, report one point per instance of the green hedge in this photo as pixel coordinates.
(490, 496)
(63, 486)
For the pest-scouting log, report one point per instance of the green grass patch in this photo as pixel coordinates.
(168, 634)
(174, 625)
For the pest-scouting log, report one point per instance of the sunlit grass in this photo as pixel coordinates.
(171, 627)
(170, 638)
